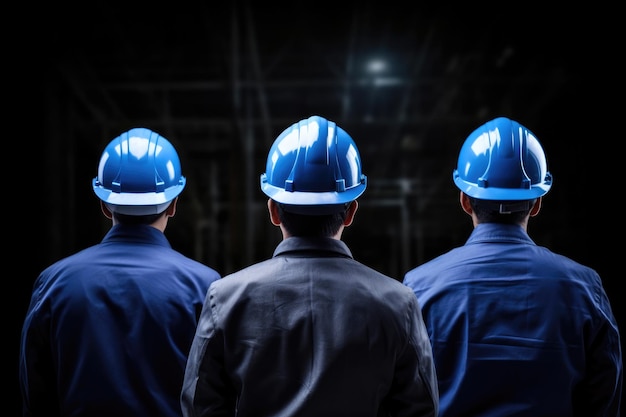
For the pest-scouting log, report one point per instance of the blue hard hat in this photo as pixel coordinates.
(313, 167)
(502, 160)
(139, 173)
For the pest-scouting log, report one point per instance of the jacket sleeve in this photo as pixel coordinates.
(37, 375)
(415, 388)
(206, 388)
(600, 392)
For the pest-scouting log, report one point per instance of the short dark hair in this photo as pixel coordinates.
(506, 212)
(321, 225)
(131, 219)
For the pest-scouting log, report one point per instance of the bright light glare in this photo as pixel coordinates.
(376, 66)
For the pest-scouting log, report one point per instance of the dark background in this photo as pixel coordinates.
(221, 82)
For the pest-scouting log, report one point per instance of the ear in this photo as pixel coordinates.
(105, 210)
(272, 207)
(465, 203)
(171, 209)
(352, 208)
(536, 207)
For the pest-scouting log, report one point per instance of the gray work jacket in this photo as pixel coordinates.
(310, 332)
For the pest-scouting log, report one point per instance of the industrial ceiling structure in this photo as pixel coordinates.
(221, 80)
(408, 83)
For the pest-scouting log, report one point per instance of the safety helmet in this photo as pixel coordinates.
(313, 167)
(502, 160)
(139, 173)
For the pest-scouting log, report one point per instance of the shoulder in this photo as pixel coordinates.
(454, 258)
(385, 286)
(548, 258)
(252, 272)
(184, 261)
(77, 259)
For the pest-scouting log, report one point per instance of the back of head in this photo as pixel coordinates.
(313, 168)
(139, 173)
(502, 162)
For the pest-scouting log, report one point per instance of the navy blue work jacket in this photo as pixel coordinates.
(109, 328)
(518, 330)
